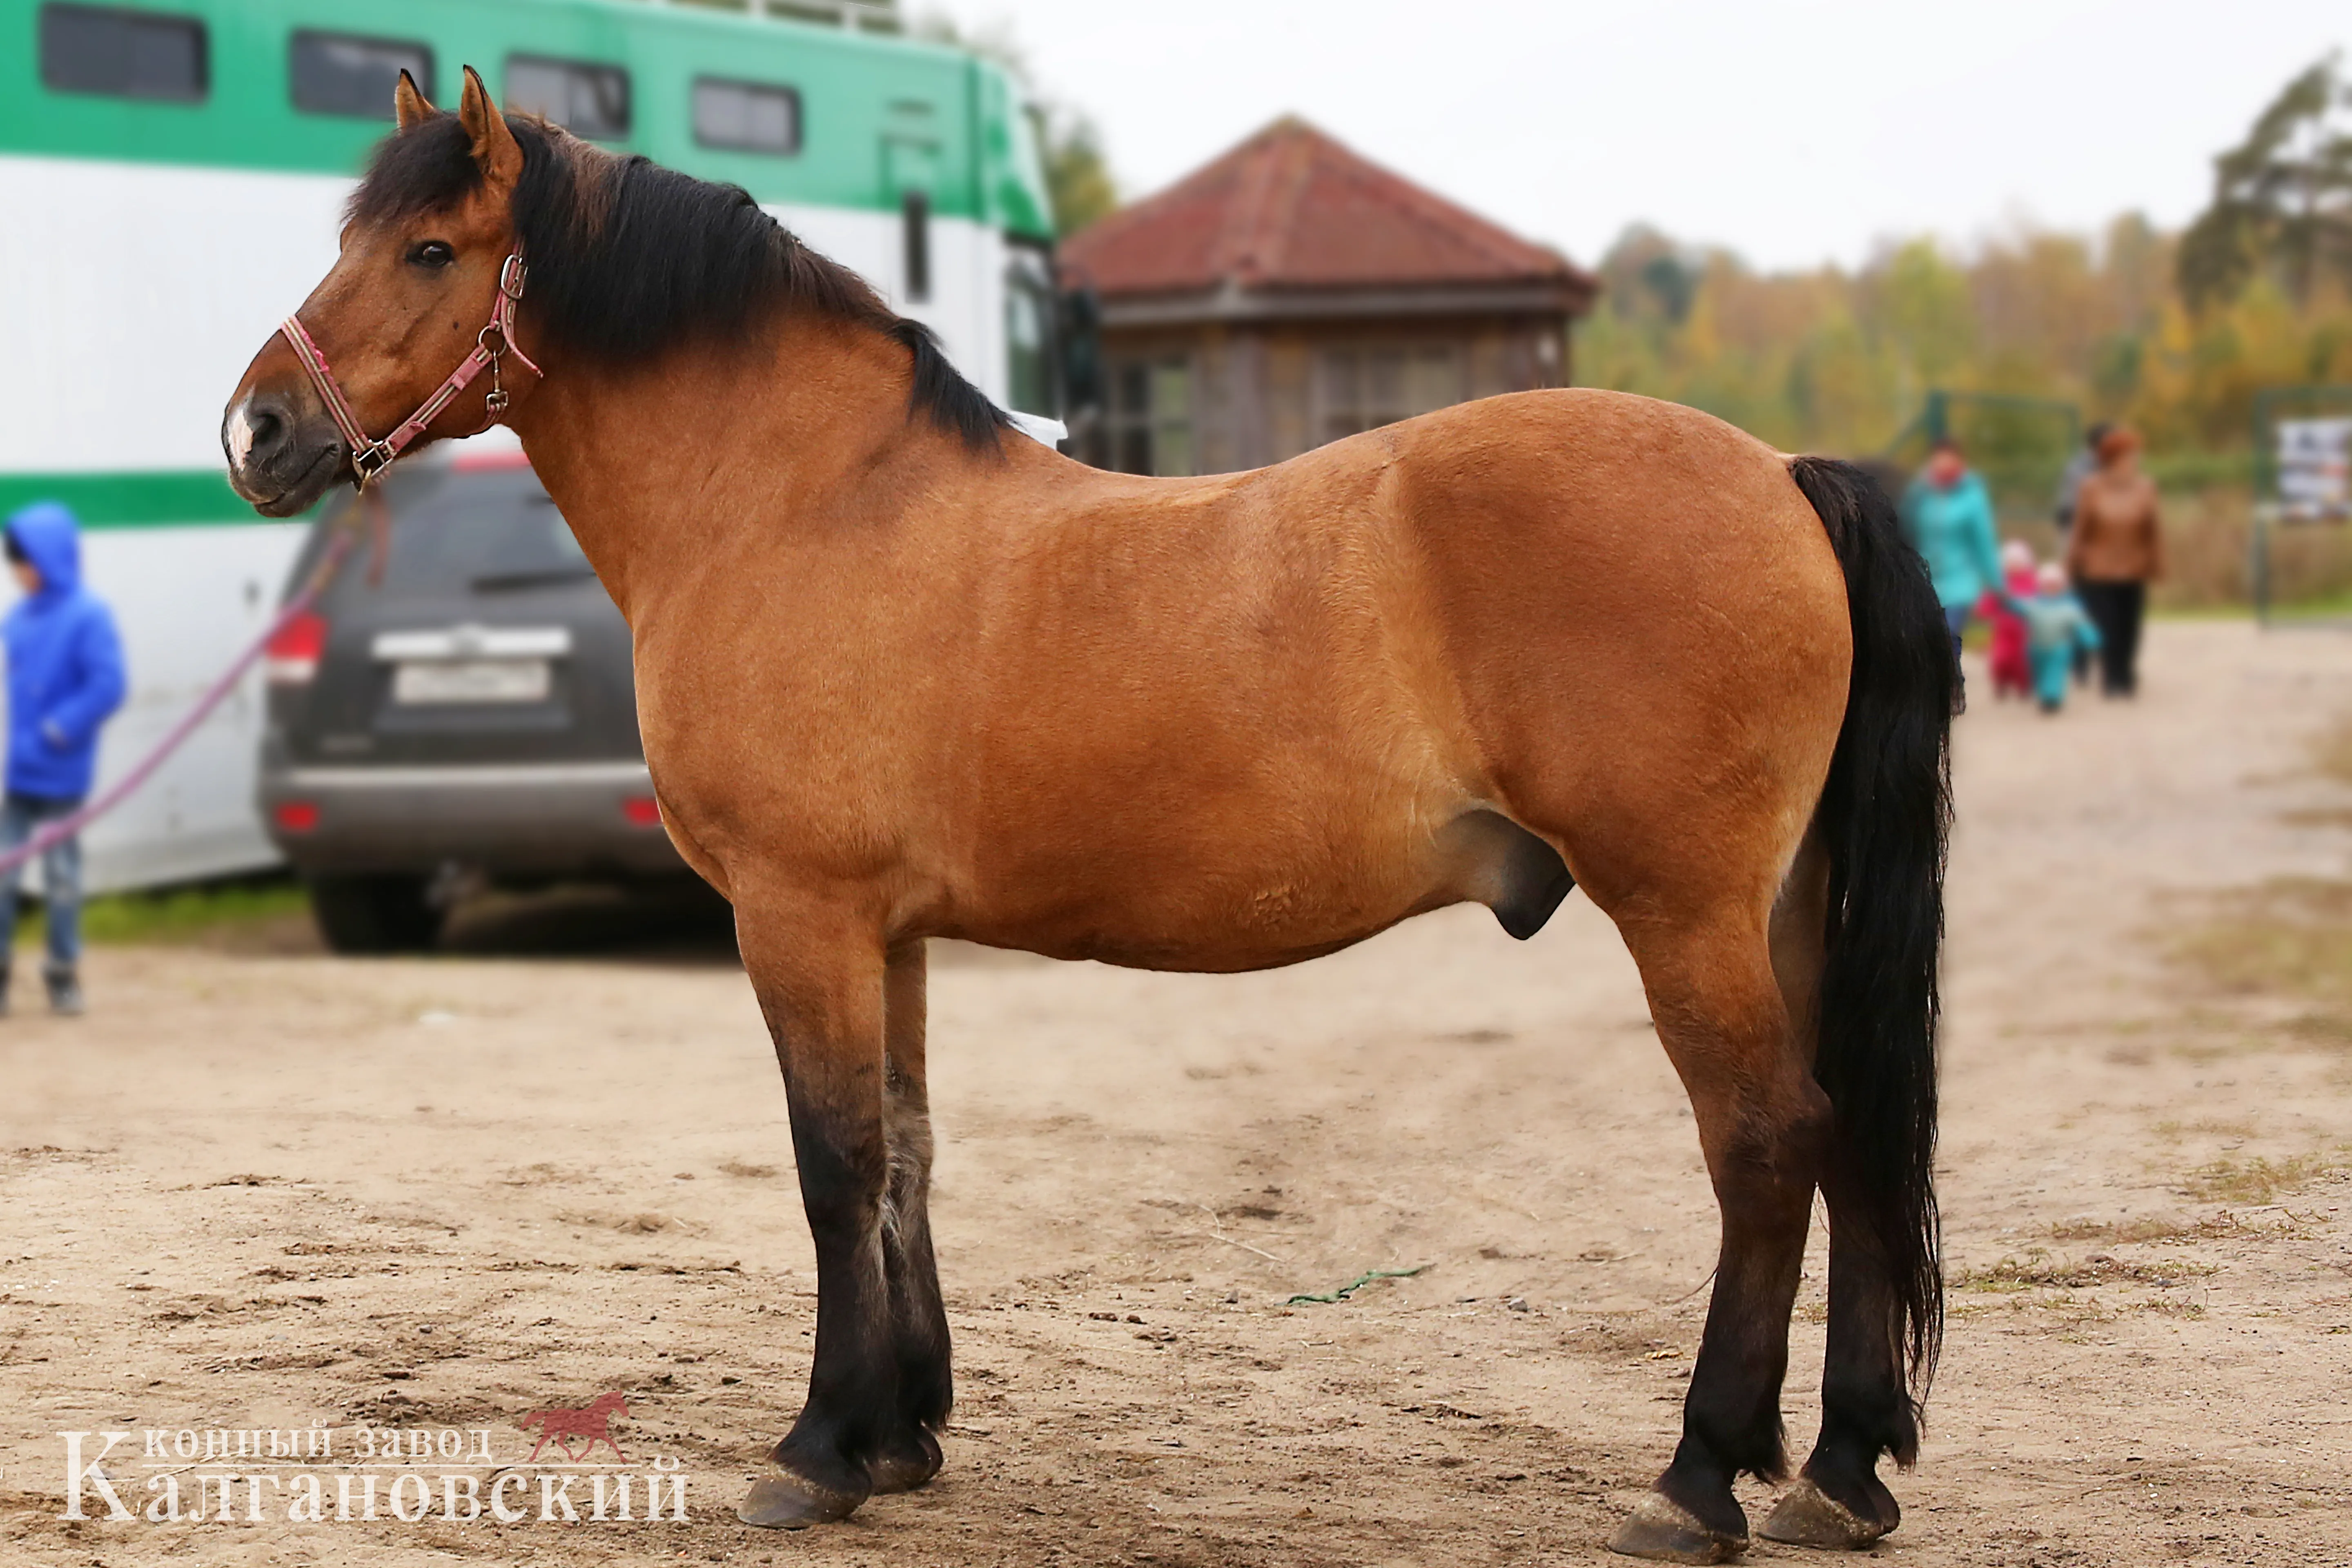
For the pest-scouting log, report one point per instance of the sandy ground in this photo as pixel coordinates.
(267, 1191)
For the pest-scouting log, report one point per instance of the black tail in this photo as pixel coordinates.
(1886, 813)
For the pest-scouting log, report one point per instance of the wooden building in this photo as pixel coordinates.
(1292, 292)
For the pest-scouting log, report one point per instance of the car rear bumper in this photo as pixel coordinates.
(509, 819)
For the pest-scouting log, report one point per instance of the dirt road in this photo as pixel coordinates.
(264, 1192)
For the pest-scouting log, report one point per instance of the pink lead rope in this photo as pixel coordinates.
(371, 458)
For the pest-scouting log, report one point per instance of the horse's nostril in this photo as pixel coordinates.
(256, 433)
(277, 456)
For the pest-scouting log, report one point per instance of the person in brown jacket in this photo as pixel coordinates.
(2114, 551)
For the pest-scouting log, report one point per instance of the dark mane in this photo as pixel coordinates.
(627, 257)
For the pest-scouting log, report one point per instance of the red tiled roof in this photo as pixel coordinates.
(1290, 208)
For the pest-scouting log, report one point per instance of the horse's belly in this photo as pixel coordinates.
(1262, 899)
(1266, 927)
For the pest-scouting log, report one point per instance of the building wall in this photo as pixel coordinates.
(1217, 398)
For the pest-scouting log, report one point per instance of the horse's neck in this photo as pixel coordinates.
(702, 455)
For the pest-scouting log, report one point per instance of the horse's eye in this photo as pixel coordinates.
(432, 253)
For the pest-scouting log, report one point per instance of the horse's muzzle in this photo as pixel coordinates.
(281, 457)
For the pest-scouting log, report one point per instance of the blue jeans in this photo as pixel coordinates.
(61, 874)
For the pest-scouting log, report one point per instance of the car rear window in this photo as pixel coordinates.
(479, 533)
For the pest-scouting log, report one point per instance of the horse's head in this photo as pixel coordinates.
(611, 1403)
(422, 244)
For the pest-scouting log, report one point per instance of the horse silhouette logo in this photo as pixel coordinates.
(593, 1425)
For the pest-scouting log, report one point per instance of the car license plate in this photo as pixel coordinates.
(470, 681)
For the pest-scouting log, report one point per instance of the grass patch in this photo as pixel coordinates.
(2039, 1272)
(2333, 1030)
(2173, 1131)
(2137, 1232)
(2333, 751)
(2222, 1226)
(2291, 936)
(196, 913)
(2257, 1181)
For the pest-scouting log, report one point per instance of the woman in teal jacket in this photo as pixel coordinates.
(1947, 515)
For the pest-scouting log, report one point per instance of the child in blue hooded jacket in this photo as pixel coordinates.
(64, 678)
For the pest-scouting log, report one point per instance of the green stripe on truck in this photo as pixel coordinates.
(172, 497)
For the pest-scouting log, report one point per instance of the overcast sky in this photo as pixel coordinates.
(1792, 131)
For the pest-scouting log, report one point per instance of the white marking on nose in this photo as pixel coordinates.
(240, 433)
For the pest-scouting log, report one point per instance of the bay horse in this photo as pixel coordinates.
(903, 673)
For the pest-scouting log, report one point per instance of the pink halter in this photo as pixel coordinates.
(497, 340)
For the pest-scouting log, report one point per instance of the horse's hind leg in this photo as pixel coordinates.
(1867, 1408)
(819, 979)
(1837, 1501)
(918, 1321)
(1763, 1125)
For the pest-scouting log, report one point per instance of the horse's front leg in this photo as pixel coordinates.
(818, 975)
(919, 1320)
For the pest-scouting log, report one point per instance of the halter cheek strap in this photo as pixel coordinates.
(370, 457)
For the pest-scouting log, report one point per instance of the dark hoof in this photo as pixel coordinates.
(1808, 1516)
(783, 1501)
(1663, 1530)
(907, 1466)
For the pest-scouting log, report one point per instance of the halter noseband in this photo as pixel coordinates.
(370, 457)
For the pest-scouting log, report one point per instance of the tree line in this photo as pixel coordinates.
(2174, 333)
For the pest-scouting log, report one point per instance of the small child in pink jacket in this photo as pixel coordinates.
(2012, 666)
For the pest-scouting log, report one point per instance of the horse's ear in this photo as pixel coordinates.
(495, 148)
(408, 105)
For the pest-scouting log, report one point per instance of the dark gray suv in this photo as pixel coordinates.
(469, 717)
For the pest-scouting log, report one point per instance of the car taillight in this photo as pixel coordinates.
(642, 810)
(296, 815)
(291, 658)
